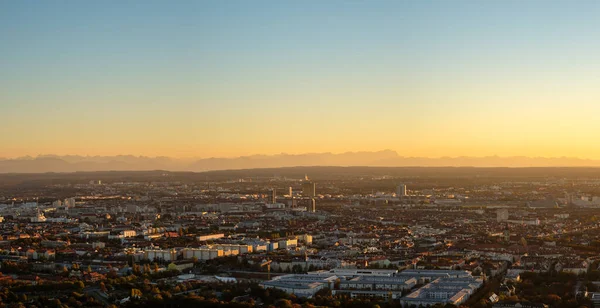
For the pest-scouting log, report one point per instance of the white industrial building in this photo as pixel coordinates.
(301, 285)
(446, 286)
(430, 275)
(350, 272)
(453, 291)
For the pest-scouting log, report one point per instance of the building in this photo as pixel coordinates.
(123, 234)
(305, 238)
(595, 297)
(300, 285)
(273, 196)
(525, 222)
(350, 272)
(375, 287)
(129, 233)
(354, 283)
(39, 217)
(313, 205)
(308, 188)
(202, 254)
(501, 215)
(288, 243)
(160, 254)
(424, 276)
(447, 290)
(210, 237)
(131, 208)
(234, 249)
(401, 191)
(69, 202)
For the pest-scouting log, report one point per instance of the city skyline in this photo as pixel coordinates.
(201, 79)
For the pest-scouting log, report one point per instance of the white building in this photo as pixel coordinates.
(430, 275)
(300, 285)
(377, 285)
(350, 272)
(210, 237)
(288, 243)
(453, 291)
(202, 253)
(233, 249)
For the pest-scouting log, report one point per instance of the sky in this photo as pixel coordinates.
(230, 78)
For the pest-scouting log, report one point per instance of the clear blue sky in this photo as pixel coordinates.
(200, 78)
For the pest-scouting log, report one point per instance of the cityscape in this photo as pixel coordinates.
(300, 154)
(337, 236)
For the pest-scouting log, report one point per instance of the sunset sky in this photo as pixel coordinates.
(229, 78)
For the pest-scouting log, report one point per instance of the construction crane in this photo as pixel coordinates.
(267, 263)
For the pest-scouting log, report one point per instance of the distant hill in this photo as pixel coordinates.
(386, 158)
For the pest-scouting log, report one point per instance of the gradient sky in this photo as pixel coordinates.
(228, 78)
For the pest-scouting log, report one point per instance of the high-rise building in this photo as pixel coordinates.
(313, 205)
(401, 190)
(308, 188)
(290, 191)
(273, 196)
(502, 215)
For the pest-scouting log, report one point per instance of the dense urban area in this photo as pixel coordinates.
(302, 237)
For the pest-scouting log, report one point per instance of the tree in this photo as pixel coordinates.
(80, 285)
(136, 269)
(482, 303)
(594, 275)
(284, 303)
(136, 293)
(552, 299)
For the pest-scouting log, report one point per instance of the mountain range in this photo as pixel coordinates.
(385, 158)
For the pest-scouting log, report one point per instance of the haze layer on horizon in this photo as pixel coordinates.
(225, 79)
